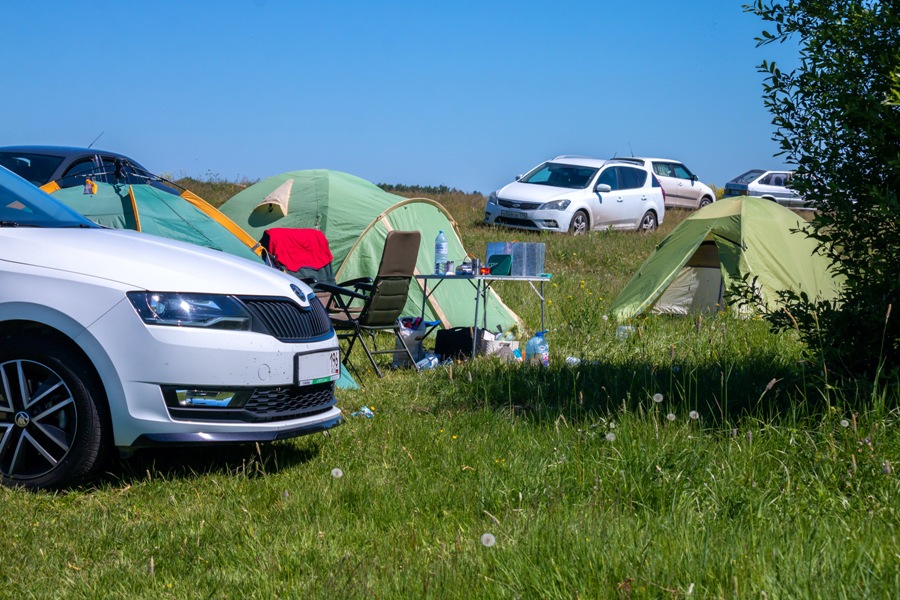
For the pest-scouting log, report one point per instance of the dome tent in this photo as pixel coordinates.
(721, 244)
(355, 216)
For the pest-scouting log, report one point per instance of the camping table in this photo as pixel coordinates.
(482, 285)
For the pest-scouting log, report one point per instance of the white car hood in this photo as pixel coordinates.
(533, 192)
(141, 261)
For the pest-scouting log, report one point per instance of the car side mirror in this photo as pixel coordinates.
(602, 188)
(694, 178)
(518, 177)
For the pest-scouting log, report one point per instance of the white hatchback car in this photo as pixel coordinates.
(683, 188)
(113, 338)
(578, 194)
(771, 185)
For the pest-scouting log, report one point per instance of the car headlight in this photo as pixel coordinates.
(555, 205)
(190, 310)
(492, 199)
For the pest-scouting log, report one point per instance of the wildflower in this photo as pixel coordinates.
(845, 423)
(605, 318)
(694, 415)
(488, 540)
(657, 398)
(612, 425)
(454, 437)
(610, 437)
(337, 473)
(670, 416)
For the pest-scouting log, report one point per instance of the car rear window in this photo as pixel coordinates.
(36, 168)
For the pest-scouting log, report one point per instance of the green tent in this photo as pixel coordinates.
(159, 210)
(355, 216)
(720, 244)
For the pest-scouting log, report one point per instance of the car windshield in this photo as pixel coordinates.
(748, 176)
(36, 168)
(23, 205)
(561, 175)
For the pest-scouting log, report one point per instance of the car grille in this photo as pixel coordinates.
(287, 320)
(515, 222)
(264, 405)
(518, 205)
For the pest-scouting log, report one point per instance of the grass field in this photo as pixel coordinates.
(699, 457)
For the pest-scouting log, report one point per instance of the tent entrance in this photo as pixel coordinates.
(698, 287)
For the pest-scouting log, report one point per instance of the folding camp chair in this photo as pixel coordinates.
(382, 298)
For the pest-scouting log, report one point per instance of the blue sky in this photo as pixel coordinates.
(463, 94)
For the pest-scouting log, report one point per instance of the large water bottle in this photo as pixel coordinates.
(440, 254)
(537, 350)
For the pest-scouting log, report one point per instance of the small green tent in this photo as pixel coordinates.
(720, 244)
(355, 216)
(159, 210)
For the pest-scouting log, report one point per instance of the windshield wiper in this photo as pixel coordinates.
(9, 223)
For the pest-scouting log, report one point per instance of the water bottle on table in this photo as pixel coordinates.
(440, 254)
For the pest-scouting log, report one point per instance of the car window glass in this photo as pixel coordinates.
(36, 168)
(748, 176)
(630, 178)
(681, 172)
(80, 168)
(608, 176)
(663, 169)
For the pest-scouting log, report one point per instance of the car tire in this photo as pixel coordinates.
(579, 224)
(648, 221)
(57, 435)
(705, 201)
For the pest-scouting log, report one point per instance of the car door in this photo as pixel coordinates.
(688, 192)
(666, 174)
(607, 207)
(632, 195)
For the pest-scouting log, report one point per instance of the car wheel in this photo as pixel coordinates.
(579, 224)
(52, 420)
(705, 201)
(648, 221)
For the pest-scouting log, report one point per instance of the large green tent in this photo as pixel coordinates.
(734, 238)
(355, 216)
(159, 210)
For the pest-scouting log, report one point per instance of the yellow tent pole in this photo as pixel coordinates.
(137, 217)
(220, 218)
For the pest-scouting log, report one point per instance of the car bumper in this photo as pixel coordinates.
(139, 363)
(534, 220)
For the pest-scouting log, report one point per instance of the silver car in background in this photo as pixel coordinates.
(771, 185)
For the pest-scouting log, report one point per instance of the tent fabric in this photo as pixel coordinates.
(153, 210)
(719, 245)
(356, 216)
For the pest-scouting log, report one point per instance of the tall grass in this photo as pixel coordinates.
(697, 457)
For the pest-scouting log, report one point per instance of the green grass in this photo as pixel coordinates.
(782, 485)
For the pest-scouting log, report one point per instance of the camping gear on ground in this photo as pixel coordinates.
(158, 208)
(537, 350)
(412, 333)
(382, 299)
(355, 217)
(454, 343)
(719, 245)
(440, 254)
(526, 258)
(491, 344)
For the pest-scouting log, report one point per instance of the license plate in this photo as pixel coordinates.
(317, 367)
(511, 214)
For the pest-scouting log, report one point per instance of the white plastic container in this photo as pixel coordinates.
(537, 350)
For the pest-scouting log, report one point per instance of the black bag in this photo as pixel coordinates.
(455, 343)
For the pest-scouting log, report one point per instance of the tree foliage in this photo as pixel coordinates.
(837, 117)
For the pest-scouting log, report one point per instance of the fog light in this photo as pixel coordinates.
(185, 398)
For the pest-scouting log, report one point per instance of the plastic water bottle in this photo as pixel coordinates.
(537, 350)
(440, 254)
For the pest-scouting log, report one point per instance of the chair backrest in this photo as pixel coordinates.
(304, 253)
(391, 284)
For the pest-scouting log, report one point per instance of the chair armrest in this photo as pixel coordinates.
(338, 290)
(355, 282)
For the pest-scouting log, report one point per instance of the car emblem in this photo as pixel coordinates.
(22, 419)
(304, 300)
(516, 205)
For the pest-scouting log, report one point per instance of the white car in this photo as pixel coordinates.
(113, 338)
(771, 185)
(683, 188)
(576, 194)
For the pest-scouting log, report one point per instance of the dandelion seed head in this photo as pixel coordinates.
(488, 540)
(670, 416)
(845, 423)
(657, 398)
(610, 437)
(694, 415)
(337, 473)
(605, 318)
